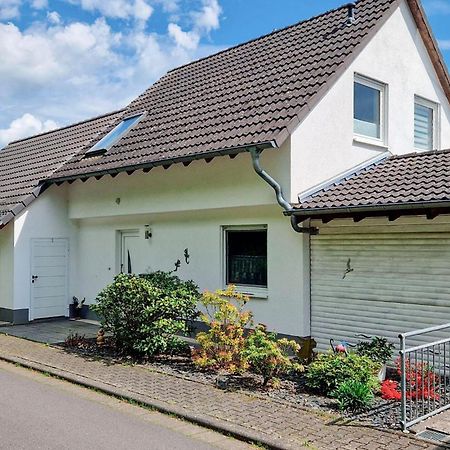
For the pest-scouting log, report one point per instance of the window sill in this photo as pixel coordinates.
(371, 142)
(254, 293)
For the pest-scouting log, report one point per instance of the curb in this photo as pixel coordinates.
(218, 425)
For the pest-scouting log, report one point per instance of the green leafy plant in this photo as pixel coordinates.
(329, 370)
(269, 356)
(378, 349)
(221, 347)
(145, 313)
(353, 396)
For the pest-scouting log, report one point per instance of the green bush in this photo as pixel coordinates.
(378, 349)
(144, 313)
(330, 370)
(269, 356)
(221, 347)
(353, 396)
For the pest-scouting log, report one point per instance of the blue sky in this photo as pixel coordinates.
(67, 60)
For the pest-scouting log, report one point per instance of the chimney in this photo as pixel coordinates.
(351, 13)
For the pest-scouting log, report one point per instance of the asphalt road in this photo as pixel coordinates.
(39, 412)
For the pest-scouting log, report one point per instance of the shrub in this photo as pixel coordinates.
(329, 370)
(378, 349)
(221, 347)
(353, 396)
(269, 356)
(144, 313)
(421, 380)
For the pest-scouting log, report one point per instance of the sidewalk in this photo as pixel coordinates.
(270, 422)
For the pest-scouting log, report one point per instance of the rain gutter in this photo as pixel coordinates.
(369, 210)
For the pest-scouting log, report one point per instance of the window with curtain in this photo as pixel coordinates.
(246, 257)
(424, 121)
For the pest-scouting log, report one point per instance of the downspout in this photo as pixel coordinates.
(256, 153)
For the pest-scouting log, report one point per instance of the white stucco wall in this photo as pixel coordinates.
(286, 309)
(46, 217)
(6, 266)
(223, 183)
(187, 207)
(323, 145)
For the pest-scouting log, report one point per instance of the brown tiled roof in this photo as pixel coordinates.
(255, 93)
(24, 163)
(406, 181)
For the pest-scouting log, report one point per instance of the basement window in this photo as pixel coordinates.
(246, 257)
(114, 135)
(369, 109)
(425, 124)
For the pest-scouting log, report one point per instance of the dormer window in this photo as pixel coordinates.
(426, 124)
(369, 109)
(104, 144)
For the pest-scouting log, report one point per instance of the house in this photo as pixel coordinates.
(338, 122)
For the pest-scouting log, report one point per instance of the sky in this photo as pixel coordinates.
(62, 61)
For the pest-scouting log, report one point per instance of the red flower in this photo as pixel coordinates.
(389, 390)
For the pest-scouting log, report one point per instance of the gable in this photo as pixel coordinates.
(324, 146)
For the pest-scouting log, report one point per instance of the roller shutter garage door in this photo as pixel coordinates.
(378, 284)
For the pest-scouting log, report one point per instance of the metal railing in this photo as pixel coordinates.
(425, 385)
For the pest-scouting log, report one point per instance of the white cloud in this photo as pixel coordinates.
(186, 39)
(53, 17)
(208, 18)
(39, 4)
(9, 9)
(40, 56)
(119, 9)
(444, 44)
(69, 71)
(204, 21)
(24, 126)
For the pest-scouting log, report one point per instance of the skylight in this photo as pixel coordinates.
(114, 135)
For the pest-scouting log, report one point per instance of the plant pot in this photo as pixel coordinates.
(382, 373)
(73, 312)
(83, 312)
(78, 313)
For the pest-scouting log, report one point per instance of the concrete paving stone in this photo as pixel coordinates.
(262, 417)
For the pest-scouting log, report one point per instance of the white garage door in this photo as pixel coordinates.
(49, 263)
(378, 284)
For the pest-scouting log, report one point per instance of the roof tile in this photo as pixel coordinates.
(240, 97)
(405, 179)
(25, 162)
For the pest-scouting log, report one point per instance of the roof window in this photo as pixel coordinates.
(104, 144)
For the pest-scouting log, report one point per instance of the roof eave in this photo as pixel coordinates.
(392, 210)
(163, 162)
(19, 207)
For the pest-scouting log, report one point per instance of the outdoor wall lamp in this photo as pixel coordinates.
(148, 232)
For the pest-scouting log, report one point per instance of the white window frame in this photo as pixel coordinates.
(382, 141)
(254, 292)
(436, 122)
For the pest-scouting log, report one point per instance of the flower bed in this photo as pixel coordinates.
(291, 389)
(145, 316)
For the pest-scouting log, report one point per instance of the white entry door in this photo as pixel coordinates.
(130, 252)
(49, 278)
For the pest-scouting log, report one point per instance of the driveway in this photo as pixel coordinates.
(40, 412)
(52, 331)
